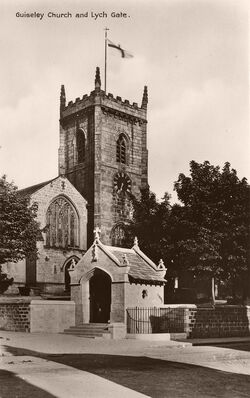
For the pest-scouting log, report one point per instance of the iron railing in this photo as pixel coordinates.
(156, 320)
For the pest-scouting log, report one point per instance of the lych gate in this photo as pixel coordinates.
(108, 280)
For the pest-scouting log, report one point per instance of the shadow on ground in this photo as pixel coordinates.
(235, 346)
(153, 377)
(11, 386)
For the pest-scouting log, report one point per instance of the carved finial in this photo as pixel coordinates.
(144, 103)
(161, 264)
(62, 98)
(135, 241)
(125, 259)
(97, 79)
(94, 253)
(97, 233)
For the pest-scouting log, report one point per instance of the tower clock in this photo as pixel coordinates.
(122, 183)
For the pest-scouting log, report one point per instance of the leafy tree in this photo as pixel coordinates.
(216, 215)
(207, 232)
(18, 227)
(148, 222)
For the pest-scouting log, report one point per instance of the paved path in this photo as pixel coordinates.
(46, 365)
(43, 378)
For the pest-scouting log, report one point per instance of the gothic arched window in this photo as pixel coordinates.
(62, 224)
(80, 144)
(118, 235)
(121, 149)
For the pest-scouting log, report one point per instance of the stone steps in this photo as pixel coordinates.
(89, 330)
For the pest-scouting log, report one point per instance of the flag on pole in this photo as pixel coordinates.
(124, 53)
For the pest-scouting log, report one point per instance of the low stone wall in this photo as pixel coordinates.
(221, 321)
(51, 316)
(194, 321)
(36, 315)
(15, 314)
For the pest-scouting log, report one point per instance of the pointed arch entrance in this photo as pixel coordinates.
(100, 296)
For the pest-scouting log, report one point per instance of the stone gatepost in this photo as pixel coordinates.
(118, 308)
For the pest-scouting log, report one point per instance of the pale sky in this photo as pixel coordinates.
(192, 55)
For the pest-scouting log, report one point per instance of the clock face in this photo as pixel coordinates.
(122, 183)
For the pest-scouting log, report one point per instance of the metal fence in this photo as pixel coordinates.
(156, 320)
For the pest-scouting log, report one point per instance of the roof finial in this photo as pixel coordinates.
(97, 79)
(62, 98)
(161, 264)
(97, 233)
(125, 259)
(135, 241)
(94, 252)
(144, 103)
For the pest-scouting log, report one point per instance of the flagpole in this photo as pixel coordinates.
(105, 67)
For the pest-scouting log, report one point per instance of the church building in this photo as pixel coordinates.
(103, 160)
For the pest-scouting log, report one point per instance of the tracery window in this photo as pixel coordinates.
(80, 144)
(118, 235)
(121, 149)
(62, 224)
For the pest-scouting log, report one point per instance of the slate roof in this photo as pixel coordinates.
(141, 267)
(33, 188)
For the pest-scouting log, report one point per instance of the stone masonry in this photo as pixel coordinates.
(15, 315)
(103, 118)
(47, 271)
(223, 321)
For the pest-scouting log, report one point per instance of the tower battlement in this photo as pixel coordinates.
(99, 97)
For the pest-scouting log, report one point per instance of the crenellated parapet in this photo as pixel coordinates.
(108, 103)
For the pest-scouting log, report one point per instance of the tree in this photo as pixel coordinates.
(18, 227)
(215, 211)
(207, 232)
(148, 222)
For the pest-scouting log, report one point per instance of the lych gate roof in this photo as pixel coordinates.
(141, 268)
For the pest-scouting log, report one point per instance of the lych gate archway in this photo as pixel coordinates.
(100, 296)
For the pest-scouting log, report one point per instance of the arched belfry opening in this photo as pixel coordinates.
(121, 150)
(100, 296)
(81, 145)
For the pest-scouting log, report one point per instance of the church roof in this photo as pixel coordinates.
(141, 268)
(33, 188)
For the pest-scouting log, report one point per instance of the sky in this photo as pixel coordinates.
(192, 55)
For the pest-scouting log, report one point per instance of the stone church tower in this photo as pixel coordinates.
(103, 152)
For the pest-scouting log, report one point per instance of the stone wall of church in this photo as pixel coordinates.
(48, 269)
(61, 187)
(51, 261)
(112, 120)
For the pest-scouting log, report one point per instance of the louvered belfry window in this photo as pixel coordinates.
(62, 224)
(121, 150)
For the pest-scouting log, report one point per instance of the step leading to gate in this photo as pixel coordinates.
(90, 330)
